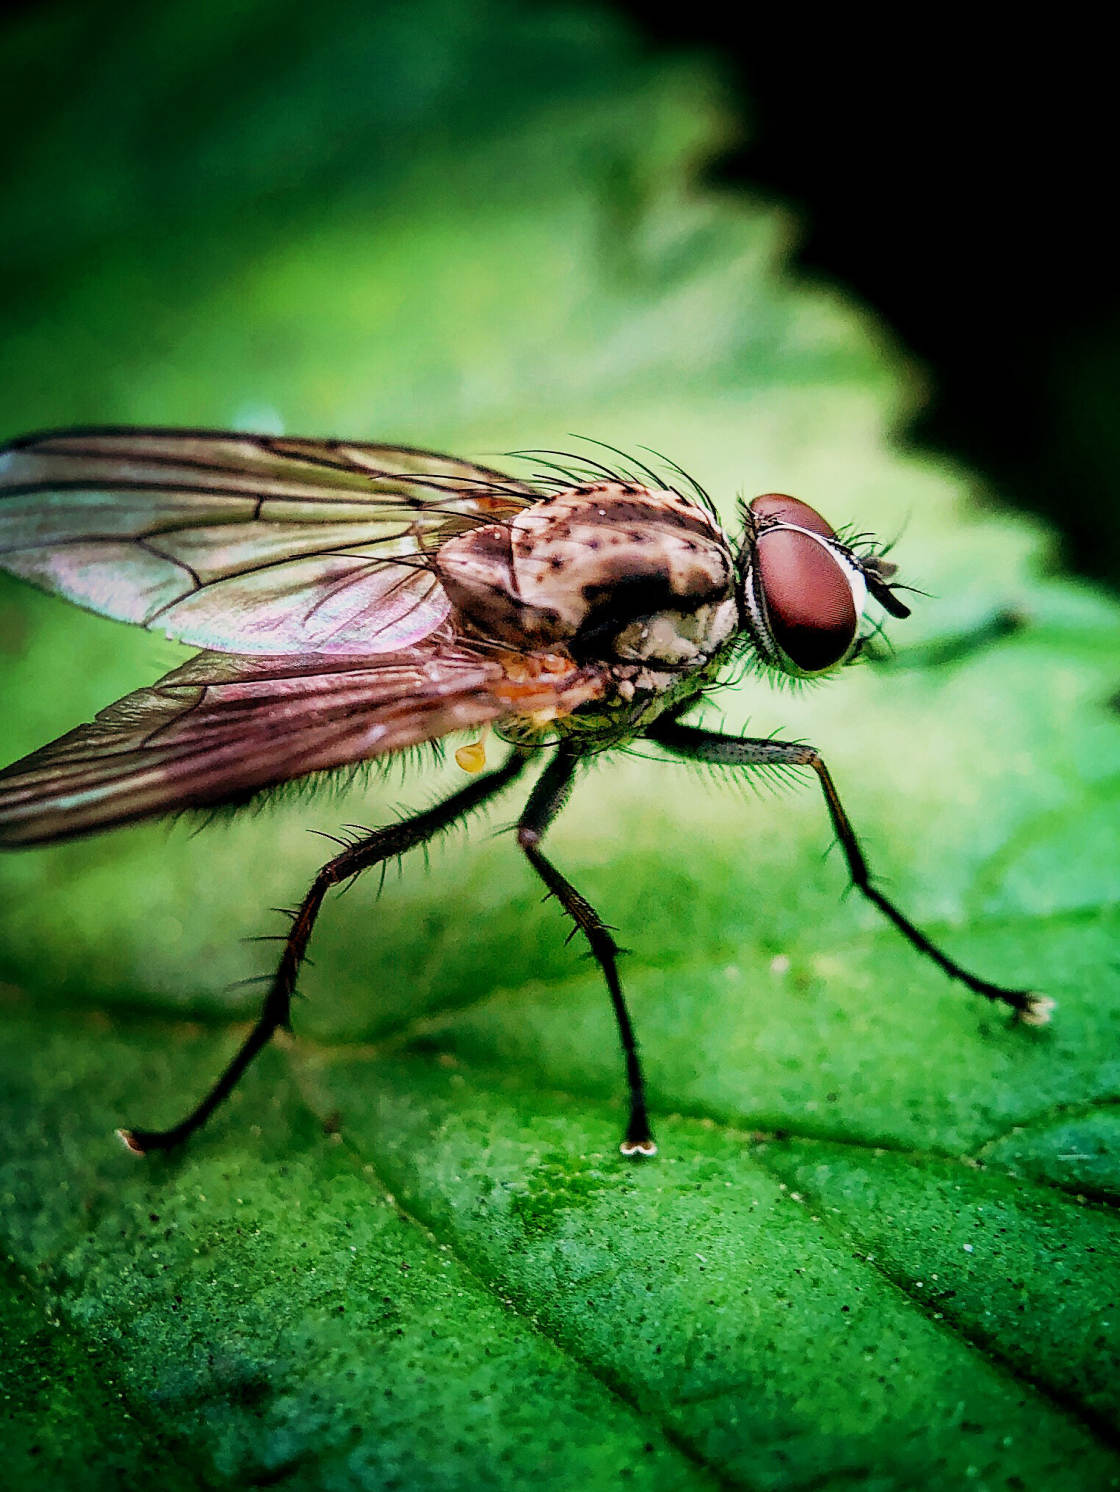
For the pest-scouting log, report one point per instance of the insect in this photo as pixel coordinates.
(356, 600)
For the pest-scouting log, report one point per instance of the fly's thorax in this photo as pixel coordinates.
(679, 639)
(611, 572)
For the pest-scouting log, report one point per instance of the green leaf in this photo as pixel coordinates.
(878, 1249)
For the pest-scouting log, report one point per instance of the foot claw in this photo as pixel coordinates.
(1037, 1010)
(638, 1148)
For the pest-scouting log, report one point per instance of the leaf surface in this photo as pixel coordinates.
(879, 1247)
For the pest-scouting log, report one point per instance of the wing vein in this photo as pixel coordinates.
(211, 536)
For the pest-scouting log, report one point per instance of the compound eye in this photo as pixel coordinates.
(810, 603)
(777, 507)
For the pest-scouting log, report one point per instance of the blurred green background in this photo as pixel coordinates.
(879, 1248)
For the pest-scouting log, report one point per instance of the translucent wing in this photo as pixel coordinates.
(244, 543)
(221, 727)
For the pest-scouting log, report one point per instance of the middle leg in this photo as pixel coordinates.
(548, 797)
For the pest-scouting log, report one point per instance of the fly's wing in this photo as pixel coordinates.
(221, 727)
(244, 543)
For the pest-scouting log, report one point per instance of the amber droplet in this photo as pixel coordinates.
(472, 758)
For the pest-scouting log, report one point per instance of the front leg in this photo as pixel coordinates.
(734, 751)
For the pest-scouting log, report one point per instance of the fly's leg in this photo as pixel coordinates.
(545, 802)
(373, 849)
(732, 751)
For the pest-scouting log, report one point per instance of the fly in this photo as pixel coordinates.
(355, 600)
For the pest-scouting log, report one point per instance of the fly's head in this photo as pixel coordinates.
(615, 573)
(802, 591)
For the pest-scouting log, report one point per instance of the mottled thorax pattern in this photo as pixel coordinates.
(595, 565)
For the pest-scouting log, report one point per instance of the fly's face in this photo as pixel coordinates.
(613, 573)
(802, 591)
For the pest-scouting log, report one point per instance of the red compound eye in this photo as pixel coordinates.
(777, 507)
(810, 603)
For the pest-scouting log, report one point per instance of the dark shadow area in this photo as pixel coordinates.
(962, 184)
